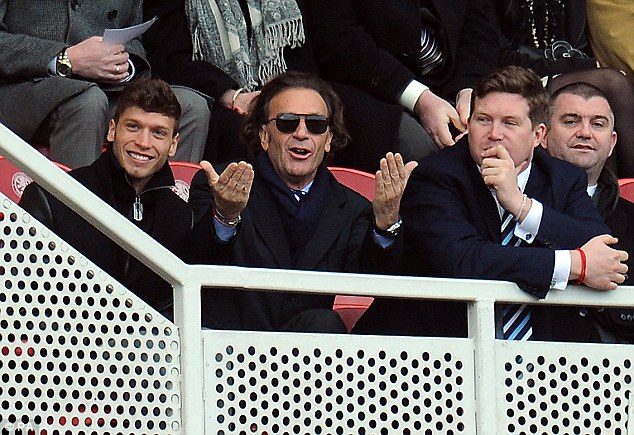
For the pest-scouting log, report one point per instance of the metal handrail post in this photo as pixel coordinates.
(481, 314)
(187, 309)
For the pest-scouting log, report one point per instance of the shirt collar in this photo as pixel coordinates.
(591, 190)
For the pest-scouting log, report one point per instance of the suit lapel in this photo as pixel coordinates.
(267, 224)
(483, 203)
(329, 228)
(535, 187)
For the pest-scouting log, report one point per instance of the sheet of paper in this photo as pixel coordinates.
(121, 36)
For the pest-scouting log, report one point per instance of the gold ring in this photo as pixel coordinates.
(117, 69)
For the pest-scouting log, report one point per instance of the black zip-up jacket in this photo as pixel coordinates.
(165, 217)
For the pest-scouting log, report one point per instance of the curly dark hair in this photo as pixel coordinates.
(151, 95)
(259, 114)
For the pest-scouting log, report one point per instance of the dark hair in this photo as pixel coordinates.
(150, 95)
(259, 113)
(581, 89)
(516, 80)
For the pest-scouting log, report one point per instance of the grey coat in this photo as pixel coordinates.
(32, 33)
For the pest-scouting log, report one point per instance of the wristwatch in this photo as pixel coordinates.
(393, 231)
(64, 67)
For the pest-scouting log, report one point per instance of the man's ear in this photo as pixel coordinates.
(545, 140)
(264, 138)
(112, 126)
(328, 140)
(540, 135)
(174, 145)
(614, 138)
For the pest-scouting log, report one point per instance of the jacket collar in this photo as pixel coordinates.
(113, 174)
(607, 194)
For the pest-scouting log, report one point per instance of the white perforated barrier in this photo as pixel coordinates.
(564, 388)
(268, 383)
(80, 354)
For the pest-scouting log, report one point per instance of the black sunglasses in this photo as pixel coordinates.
(288, 122)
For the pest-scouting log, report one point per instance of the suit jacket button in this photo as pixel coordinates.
(583, 312)
(113, 14)
(406, 51)
(374, 81)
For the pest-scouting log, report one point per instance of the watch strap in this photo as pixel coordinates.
(393, 231)
(63, 66)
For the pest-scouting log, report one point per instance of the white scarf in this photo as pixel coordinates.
(219, 36)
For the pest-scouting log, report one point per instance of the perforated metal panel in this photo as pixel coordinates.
(562, 388)
(267, 383)
(79, 353)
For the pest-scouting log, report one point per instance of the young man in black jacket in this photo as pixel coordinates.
(133, 177)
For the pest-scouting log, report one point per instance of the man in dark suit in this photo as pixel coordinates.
(59, 81)
(581, 131)
(459, 200)
(419, 55)
(297, 215)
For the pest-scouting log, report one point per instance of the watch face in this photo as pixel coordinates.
(63, 70)
(395, 228)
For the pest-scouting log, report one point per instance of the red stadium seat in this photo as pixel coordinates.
(627, 188)
(351, 308)
(14, 180)
(183, 174)
(359, 181)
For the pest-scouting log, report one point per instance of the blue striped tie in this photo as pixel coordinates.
(516, 319)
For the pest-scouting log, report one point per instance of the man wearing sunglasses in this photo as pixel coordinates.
(285, 210)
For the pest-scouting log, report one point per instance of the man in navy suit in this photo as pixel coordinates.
(457, 199)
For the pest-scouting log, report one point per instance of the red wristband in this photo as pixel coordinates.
(582, 274)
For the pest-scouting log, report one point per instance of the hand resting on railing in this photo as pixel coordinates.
(598, 265)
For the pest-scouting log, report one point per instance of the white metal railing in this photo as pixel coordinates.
(187, 281)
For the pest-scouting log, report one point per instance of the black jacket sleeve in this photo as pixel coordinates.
(36, 201)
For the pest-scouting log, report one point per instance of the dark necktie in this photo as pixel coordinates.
(516, 319)
(298, 194)
(430, 57)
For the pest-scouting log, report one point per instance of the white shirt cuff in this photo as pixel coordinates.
(528, 230)
(52, 66)
(132, 71)
(410, 95)
(563, 262)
